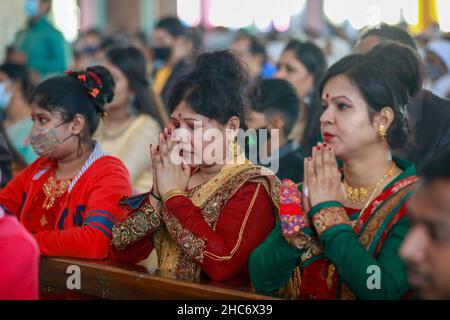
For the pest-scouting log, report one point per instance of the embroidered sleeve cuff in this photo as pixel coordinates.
(328, 217)
(140, 223)
(314, 210)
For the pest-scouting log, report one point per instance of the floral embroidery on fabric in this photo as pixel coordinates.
(135, 227)
(328, 218)
(292, 217)
(178, 249)
(191, 245)
(187, 268)
(404, 183)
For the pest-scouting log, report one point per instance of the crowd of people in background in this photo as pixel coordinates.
(85, 156)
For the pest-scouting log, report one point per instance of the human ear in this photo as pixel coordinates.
(78, 124)
(385, 117)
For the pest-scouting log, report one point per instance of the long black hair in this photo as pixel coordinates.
(133, 65)
(313, 58)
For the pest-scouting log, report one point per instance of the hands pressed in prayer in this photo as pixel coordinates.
(169, 173)
(322, 180)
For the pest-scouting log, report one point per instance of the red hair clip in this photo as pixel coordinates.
(82, 77)
(94, 92)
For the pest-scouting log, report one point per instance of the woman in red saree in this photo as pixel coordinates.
(203, 219)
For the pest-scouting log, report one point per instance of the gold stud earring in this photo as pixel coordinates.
(382, 132)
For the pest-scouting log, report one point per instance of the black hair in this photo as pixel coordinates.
(172, 25)
(276, 97)
(437, 167)
(387, 32)
(84, 93)
(311, 56)
(132, 63)
(214, 88)
(381, 84)
(412, 75)
(20, 73)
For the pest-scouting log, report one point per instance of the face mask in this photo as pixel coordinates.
(31, 8)
(45, 140)
(89, 50)
(162, 53)
(5, 96)
(433, 71)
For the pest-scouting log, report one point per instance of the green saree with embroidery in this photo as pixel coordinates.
(344, 254)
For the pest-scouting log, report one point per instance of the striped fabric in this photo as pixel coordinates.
(39, 174)
(95, 155)
(100, 220)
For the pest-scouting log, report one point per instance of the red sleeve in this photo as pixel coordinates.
(91, 241)
(134, 253)
(244, 223)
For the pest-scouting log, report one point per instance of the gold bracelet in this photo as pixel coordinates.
(171, 193)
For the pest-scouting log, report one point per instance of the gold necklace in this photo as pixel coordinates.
(387, 175)
(356, 194)
(54, 189)
(361, 194)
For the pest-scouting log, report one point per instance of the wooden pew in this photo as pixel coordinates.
(103, 280)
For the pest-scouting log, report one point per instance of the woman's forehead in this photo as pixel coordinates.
(185, 112)
(37, 110)
(339, 85)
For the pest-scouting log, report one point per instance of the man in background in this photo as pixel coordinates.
(252, 53)
(41, 45)
(426, 249)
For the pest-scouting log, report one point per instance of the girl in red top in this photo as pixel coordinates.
(68, 198)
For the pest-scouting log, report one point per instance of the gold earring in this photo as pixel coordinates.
(382, 132)
(233, 148)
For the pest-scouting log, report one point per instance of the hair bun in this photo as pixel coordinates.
(400, 63)
(221, 66)
(99, 84)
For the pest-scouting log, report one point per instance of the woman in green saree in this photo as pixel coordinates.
(339, 234)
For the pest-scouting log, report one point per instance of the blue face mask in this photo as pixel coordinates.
(31, 8)
(5, 96)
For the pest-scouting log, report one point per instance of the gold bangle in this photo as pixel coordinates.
(171, 193)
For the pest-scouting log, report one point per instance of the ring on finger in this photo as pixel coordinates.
(306, 192)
